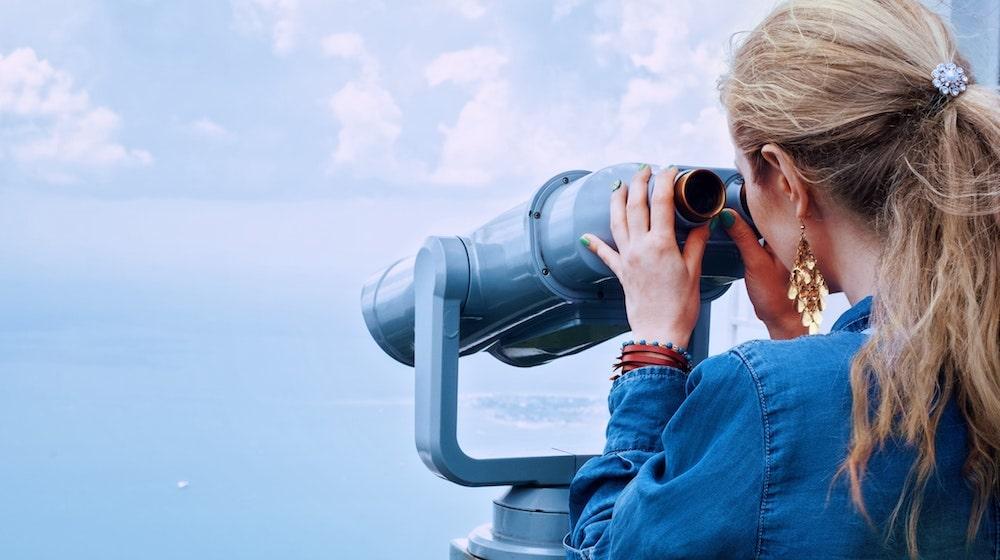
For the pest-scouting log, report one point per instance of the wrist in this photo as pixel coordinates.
(640, 353)
(663, 338)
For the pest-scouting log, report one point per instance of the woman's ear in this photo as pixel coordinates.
(786, 178)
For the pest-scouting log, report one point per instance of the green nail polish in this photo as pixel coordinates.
(727, 219)
(643, 167)
(584, 241)
(616, 185)
(713, 222)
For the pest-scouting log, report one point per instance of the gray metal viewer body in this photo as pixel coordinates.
(522, 288)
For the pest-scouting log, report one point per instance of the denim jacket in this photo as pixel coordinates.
(738, 460)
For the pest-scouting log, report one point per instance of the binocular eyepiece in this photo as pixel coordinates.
(531, 292)
(699, 194)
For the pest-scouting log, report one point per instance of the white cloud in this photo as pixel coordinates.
(470, 66)
(473, 148)
(53, 123)
(666, 111)
(654, 35)
(563, 8)
(665, 108)
(351, 46)
(31, 87)
(346, 45)
(278, 18)
(209, 128)
(493, 135)
(677, 51)
(471, 9)
(370, 120)
(708, 133)
(636, 106)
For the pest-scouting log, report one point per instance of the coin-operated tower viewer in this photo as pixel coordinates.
(523, 288)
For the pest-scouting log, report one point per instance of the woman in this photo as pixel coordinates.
(880, 439)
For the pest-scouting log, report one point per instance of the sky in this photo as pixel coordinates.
(191, 197)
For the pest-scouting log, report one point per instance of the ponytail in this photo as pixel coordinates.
(937, 315)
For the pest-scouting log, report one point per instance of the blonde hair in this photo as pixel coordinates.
(844, 87)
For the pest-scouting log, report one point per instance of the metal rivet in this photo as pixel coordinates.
(545, 272)
(565, 180)
(536, 215)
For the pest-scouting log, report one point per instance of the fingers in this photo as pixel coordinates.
(604, 251)
(637, 206)
(619, 221)
(661, 207)
(694, 248)
(746, 241)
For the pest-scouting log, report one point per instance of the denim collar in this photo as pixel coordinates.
(856, 318)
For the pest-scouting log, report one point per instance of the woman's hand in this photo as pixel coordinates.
(661, 284)
(766, 280)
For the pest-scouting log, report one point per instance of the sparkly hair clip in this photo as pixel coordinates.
(950, 79)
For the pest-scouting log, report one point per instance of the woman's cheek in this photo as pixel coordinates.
(758, 211)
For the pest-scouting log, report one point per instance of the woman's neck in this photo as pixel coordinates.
(851, 260)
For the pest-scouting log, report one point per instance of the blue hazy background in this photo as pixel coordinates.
(191, 196)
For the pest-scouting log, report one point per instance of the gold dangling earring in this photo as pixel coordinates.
(806, 285)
